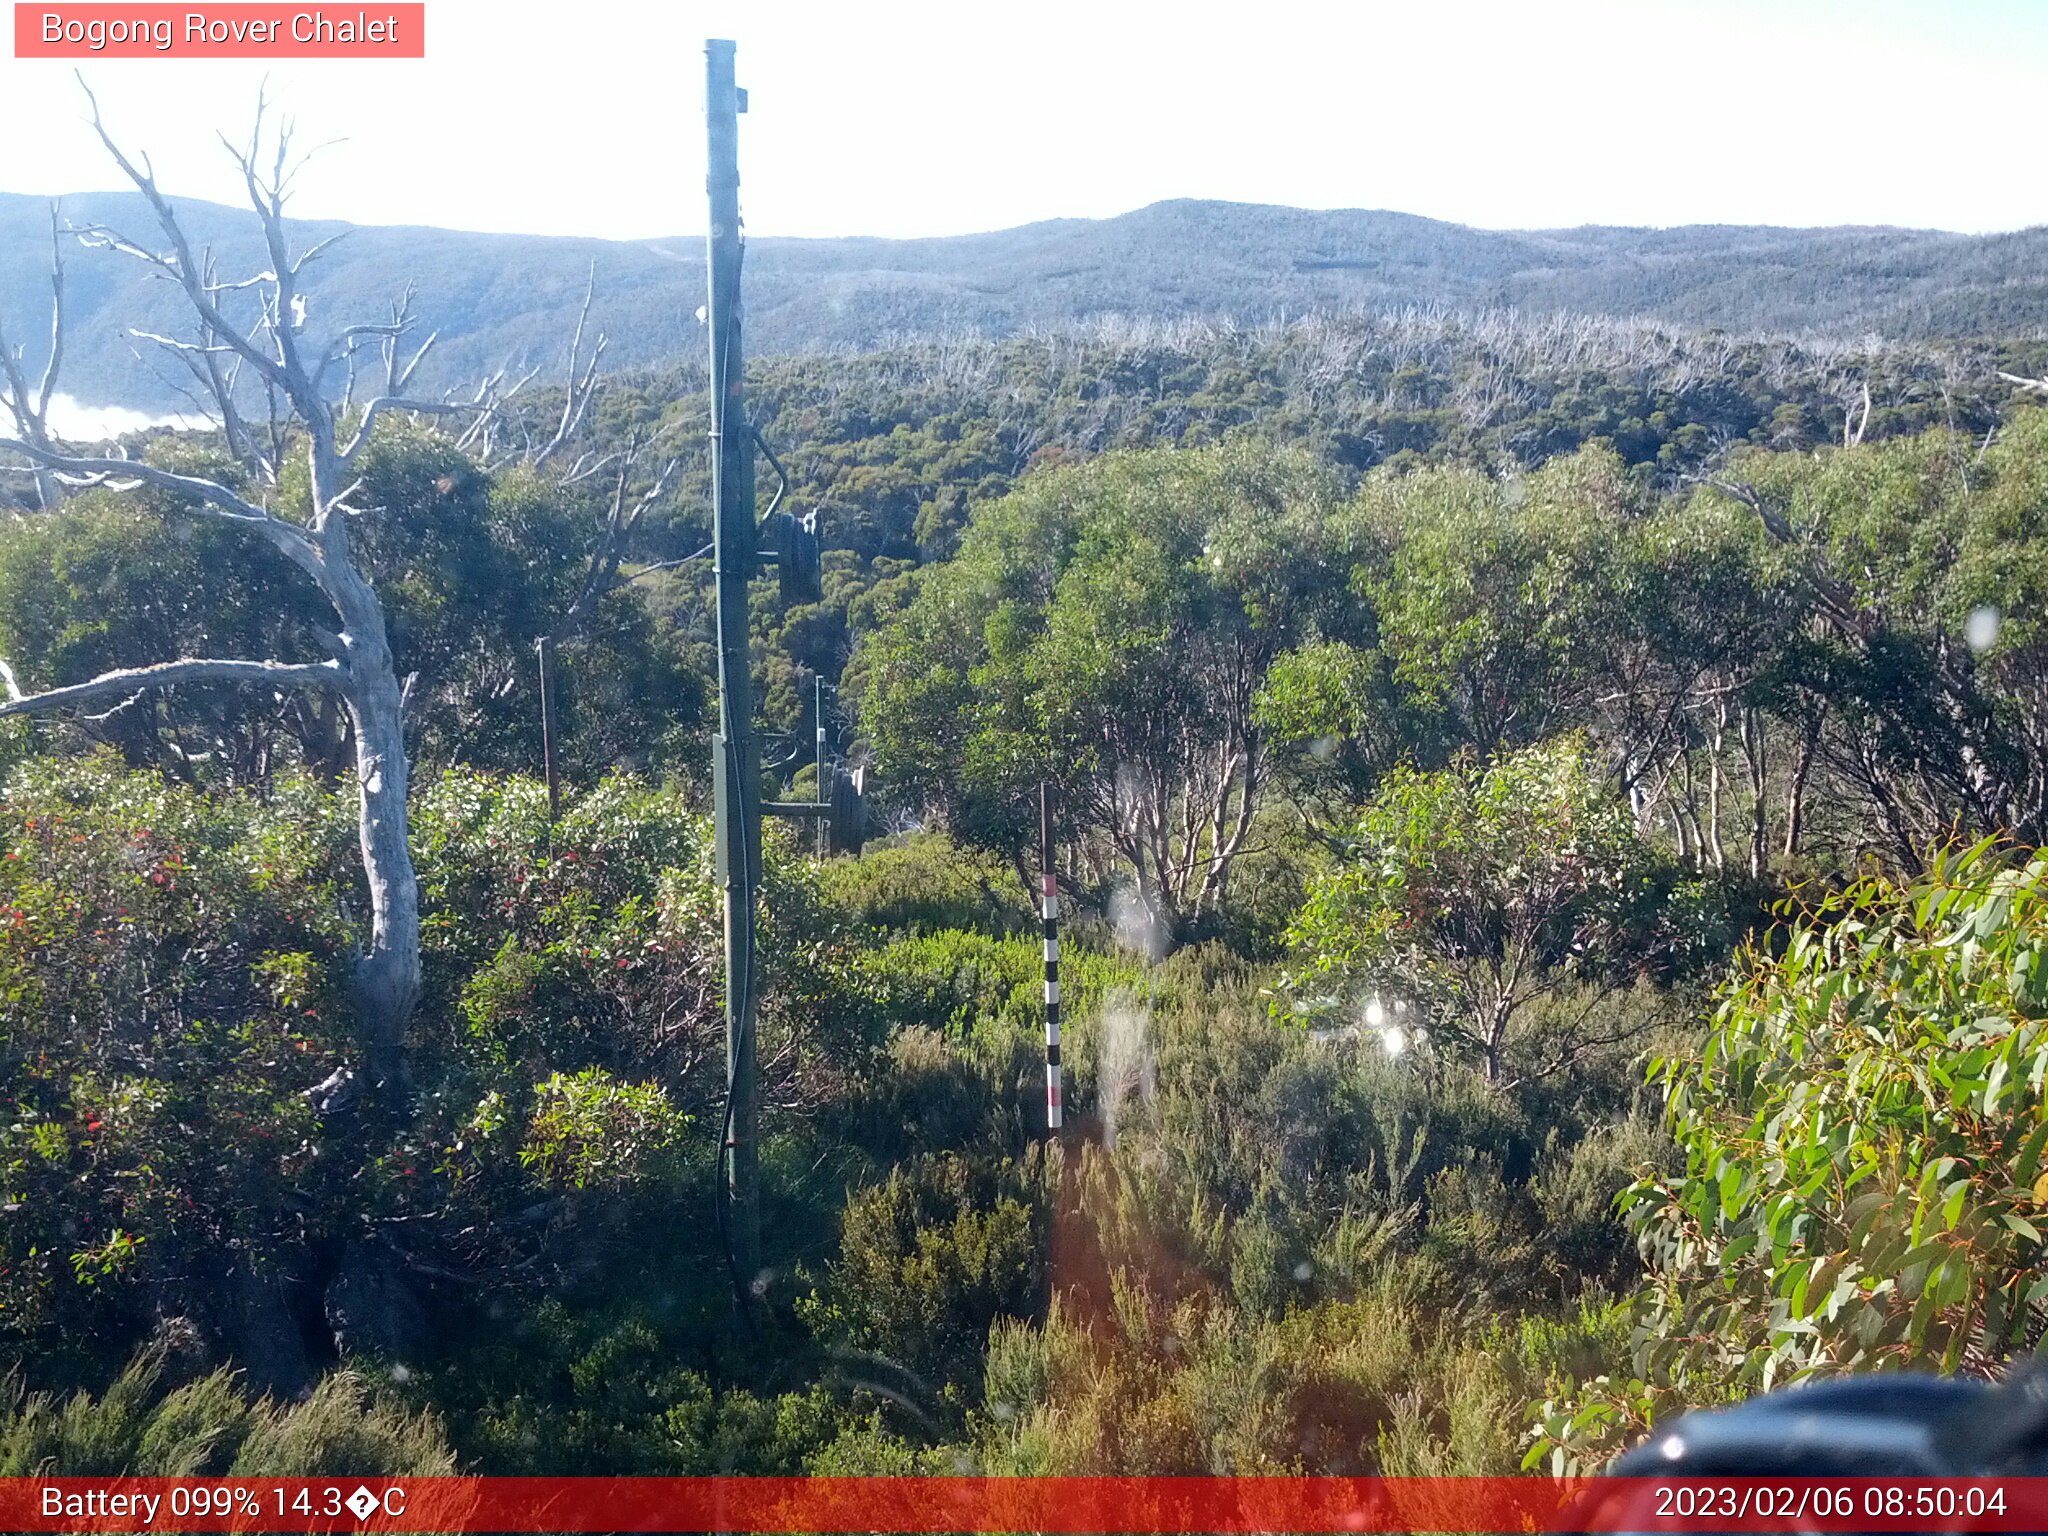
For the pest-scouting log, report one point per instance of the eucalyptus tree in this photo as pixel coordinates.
(1919, 675)
(1109, 626)
(1510, 607)
(1500, 599)
(1499, 907)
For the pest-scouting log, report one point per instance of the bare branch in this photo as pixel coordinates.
(220, 372)
(107, 714)
(173, 344)
(56, 361)
(101, 237)
(254, 280)
(383, 403)
(217, 498)
(669, 565)
(181, 264)
(1853, 436)
(396, 378)
(587, 467)
(620, 522)
(165, 674)
(352, 340)
(31, 411)
(477, 435)
(582, 378)
(310, 252)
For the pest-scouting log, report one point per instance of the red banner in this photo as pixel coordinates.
(1066, 1506)
(225, 31)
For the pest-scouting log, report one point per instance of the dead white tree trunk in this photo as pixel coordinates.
(30, 408)
(359, 667)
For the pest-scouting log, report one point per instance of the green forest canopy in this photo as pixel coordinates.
(1648, 630)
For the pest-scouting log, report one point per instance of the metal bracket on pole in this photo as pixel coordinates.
(844, 813)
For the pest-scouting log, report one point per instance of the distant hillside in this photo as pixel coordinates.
(502, 298)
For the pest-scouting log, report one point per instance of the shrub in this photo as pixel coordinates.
(172, 980)
(987, 997)
(1863, 1139)
(926, 883)
(929, 1259)
(591, 1131)
(1374, 1385)
(209, 1427)
(1470, 895)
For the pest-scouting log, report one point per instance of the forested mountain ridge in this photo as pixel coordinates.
(501, 298)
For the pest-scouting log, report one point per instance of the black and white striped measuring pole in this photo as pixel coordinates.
(1050, 886)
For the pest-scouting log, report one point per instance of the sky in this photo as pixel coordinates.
(906, 118)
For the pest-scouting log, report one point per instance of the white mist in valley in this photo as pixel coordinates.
(76, 422)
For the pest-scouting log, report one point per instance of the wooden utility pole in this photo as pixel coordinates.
(738, 553)
(736, 766)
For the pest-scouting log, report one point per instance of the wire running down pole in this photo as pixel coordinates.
(1051, 889)
(821, 834)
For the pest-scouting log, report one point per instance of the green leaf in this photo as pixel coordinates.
(2028, 1163)
(1992, 1085)
(1952, 1207)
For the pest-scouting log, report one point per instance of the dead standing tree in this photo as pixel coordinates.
(292, 377)
(637, 484)
(30, 408)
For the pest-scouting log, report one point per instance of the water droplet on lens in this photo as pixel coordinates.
(1982, 629)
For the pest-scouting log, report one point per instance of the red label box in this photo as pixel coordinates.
(1052, 1506)
(377, 30)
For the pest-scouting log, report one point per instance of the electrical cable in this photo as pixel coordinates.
(781, 474)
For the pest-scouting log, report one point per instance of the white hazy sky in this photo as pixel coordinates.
(906, 118)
